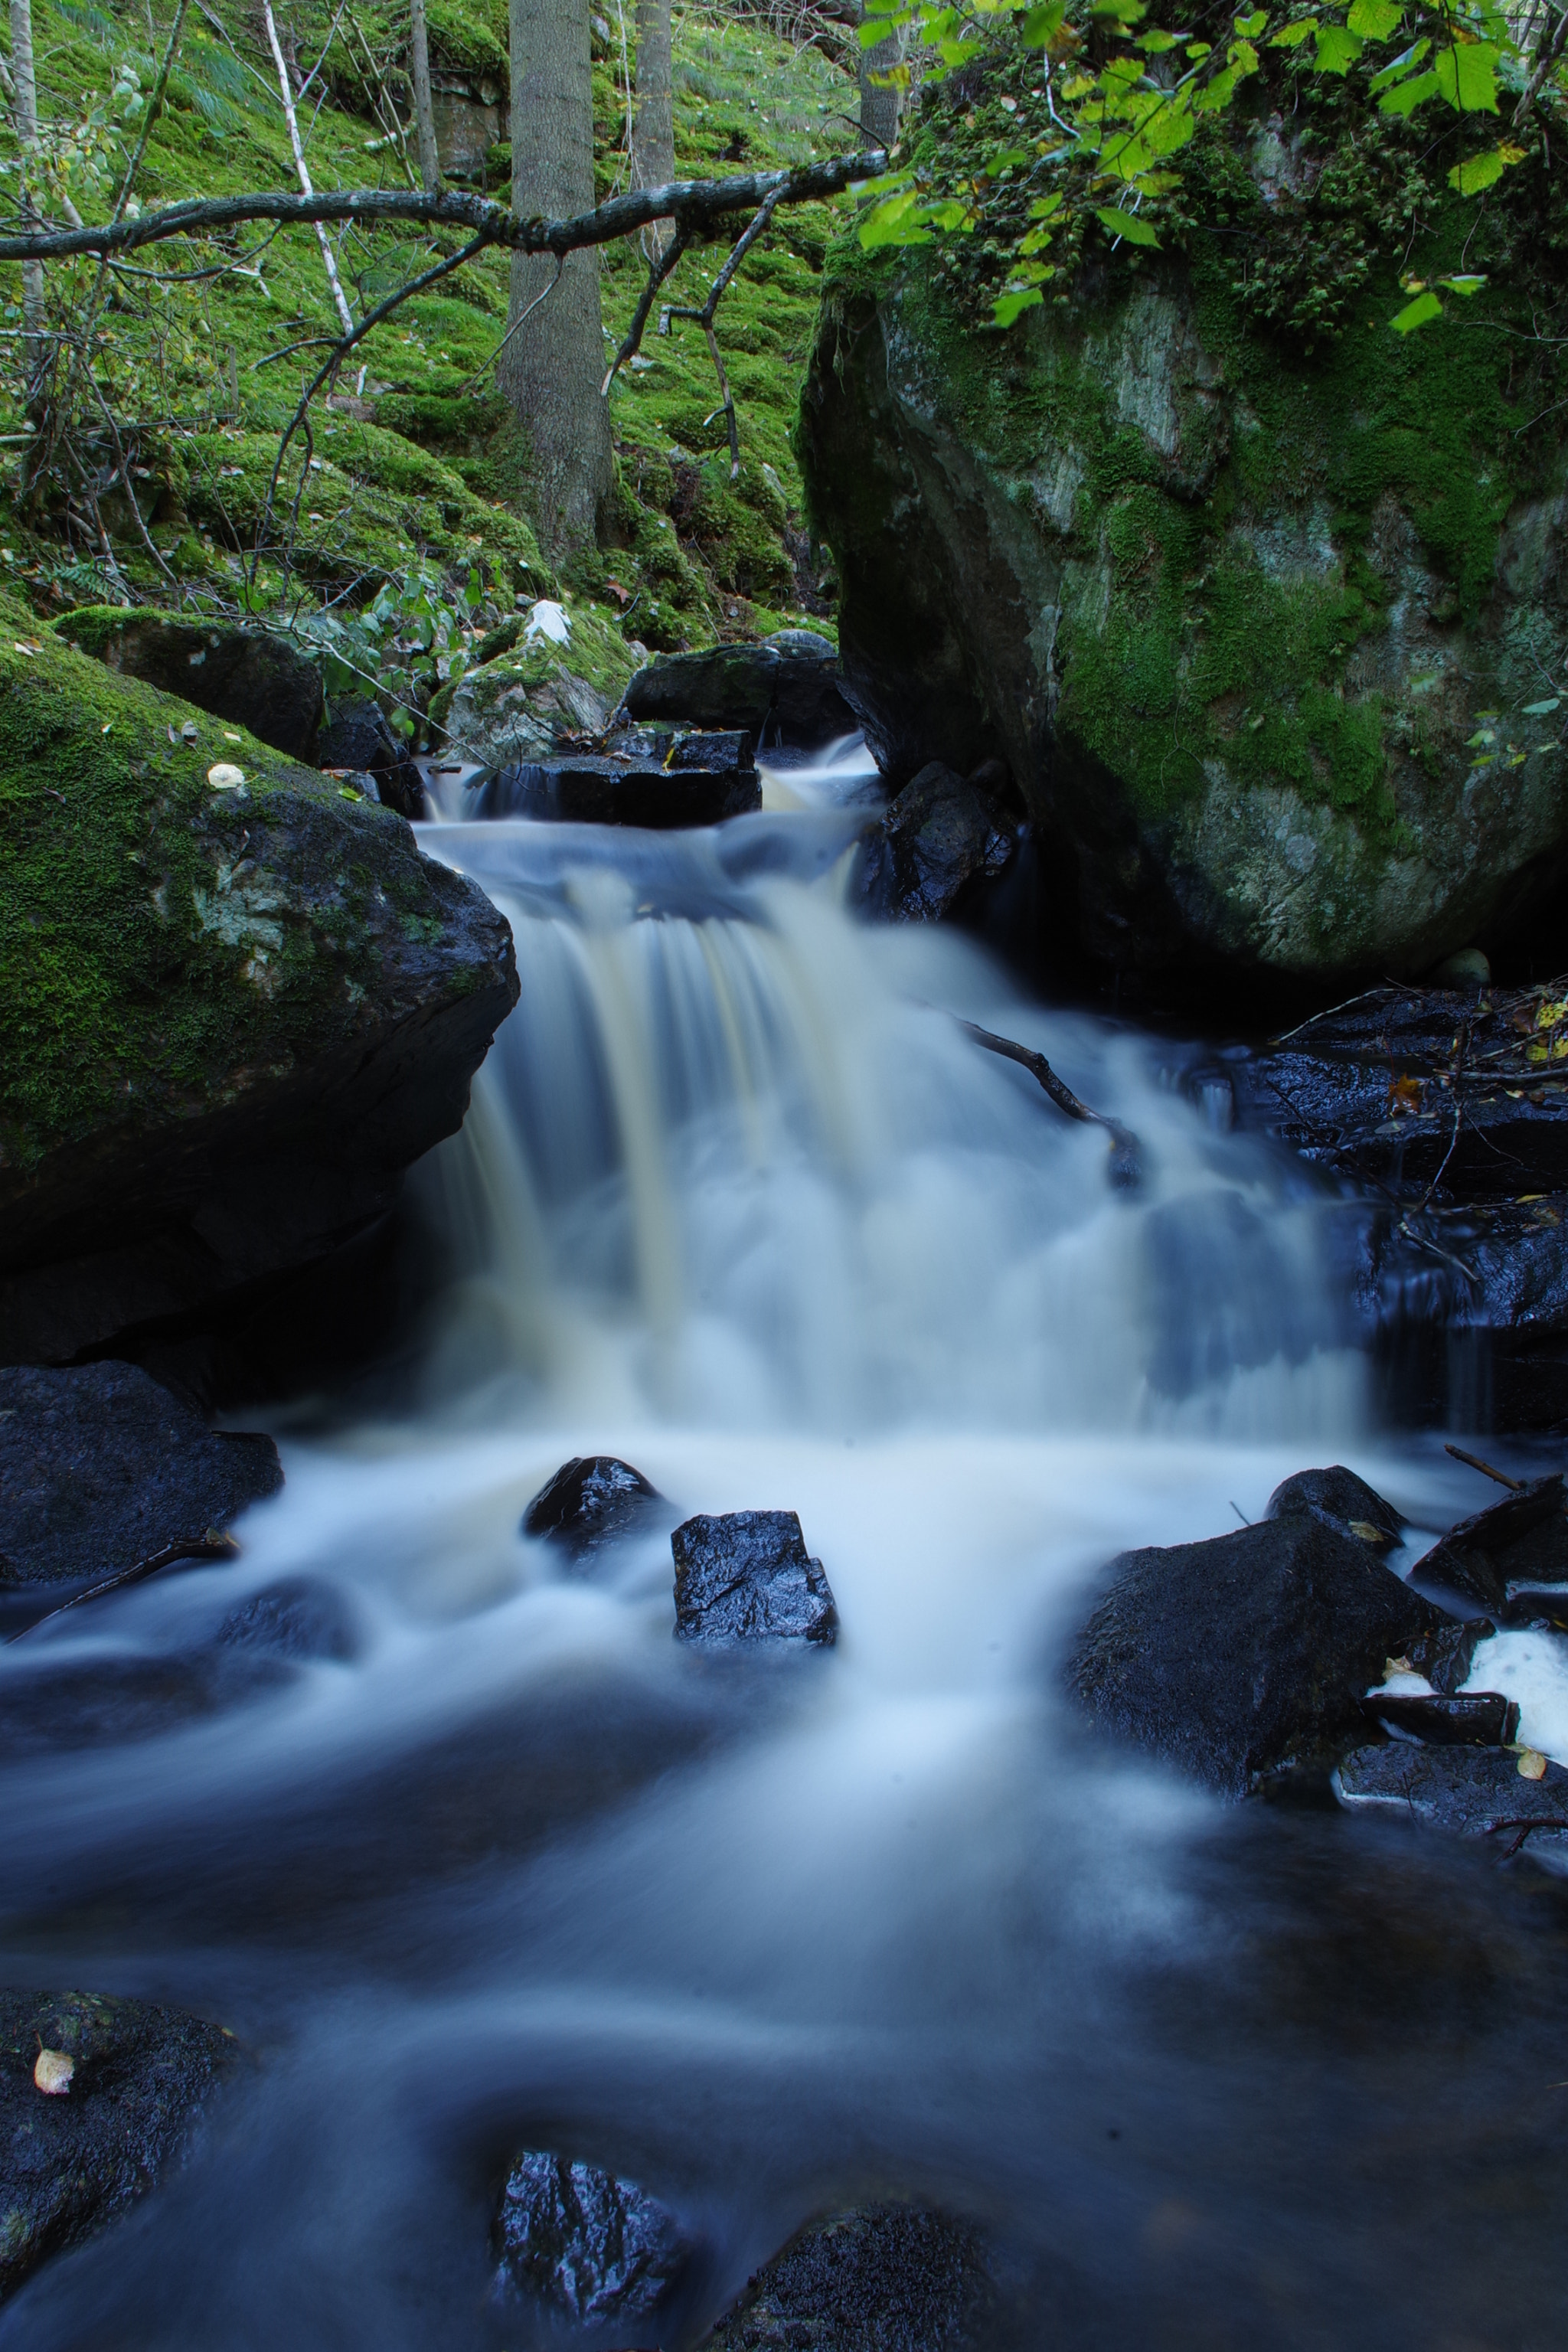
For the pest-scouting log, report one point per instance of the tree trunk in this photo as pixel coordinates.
(424, 110)
(881, 103)
(653, 140)
(34, 347)
(552, 367)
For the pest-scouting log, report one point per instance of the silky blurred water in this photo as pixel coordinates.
(739, 1200)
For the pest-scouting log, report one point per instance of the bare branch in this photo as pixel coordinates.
(293, 120)
(658, 269)
(693, 204)
(742, 245)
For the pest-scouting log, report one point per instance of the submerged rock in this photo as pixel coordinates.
(139, 2076)
(941, 838)
(1249, 1652)
(789, 684)
(249, 677)
(590, 2247)
(359, 742)
(747, 1577)
(300, 1619)
(1234, 666)
(1468, 1791)
(229, 1018)
(1340, 1500)
(100, 1468)
(593, 1501)
(883, 2278)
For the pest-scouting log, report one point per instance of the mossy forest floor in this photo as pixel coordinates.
(415, 463)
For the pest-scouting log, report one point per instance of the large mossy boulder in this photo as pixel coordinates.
(553, 676)
(231, 1012)
(1254, 626)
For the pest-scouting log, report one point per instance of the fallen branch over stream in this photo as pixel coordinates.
(1126, 1171)
(212, 1545)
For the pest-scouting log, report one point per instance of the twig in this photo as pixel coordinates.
(516, 328)
(705, 316)
(659, 270)
(210, 1546)
(339, 297)
(1474, 1462)
(1125, 1157)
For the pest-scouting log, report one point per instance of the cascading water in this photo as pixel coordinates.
(739, 1200)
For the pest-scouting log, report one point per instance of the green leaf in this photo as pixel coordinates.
(1127, 225)
(1409, 95)
(1375, 20)
(1542, 709)
(1478, 171)
(1416, 314)
(1291, 36)
(1466, 286)
(1123, 12)
(1466, 75)
(1156, 43)
(1250, 26)
(1041, 23)
(1008, 307)
(1338, 48)
(1404, 64)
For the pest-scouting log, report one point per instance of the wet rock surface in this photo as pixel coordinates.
(789, 684)
(249, 677)
(1512, 1559)
(1236, 1657)
(747, 1577)
(70, 2161)
(1470, 1792)
(1478, 1720)
(938, 842)
(598, 789)
(1337, 1499)
(591, 1502)
(587, 2246)
(359, 742)
(883, 2278)
(301, 1618)
(100, 1467)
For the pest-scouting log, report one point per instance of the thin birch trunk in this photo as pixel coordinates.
(25, 108)
(881, 103)
(424, 106)
(339, 297)
(653, 140)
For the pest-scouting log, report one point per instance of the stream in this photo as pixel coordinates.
(497, 1864)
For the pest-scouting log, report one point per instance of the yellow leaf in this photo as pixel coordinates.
(52, 2072)
(1531, 1764)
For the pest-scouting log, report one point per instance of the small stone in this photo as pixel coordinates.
(590, 1501)
(53, 2068)
(1469, 969)
(592, 2247)
(225, 777)
(747, 1577)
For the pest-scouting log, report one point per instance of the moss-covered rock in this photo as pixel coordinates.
(558, 680)
(250, 676)
(229, 1017)
(1256, 630)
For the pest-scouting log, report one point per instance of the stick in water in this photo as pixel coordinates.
(212, 1545)
(1474, 1462)
(1125, 1171)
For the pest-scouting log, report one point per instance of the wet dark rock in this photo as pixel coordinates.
(593, 1501)
(884, 2278)
(1478, 1720)
(49, 1708)
(937, 843)
(299, 1618)
(590, 2247)
(70, 2161)
(789, 684)
(1522, 1540)
(733, 753)
(591, 788)
(1446, 1654)
(250, 678)
(747, 1577)
(100, 1468)
(1476, 1792)
(1238, 1656)
(360, 741)
(1340, 1500)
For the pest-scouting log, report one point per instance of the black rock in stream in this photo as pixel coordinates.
(1511, 1559)
(71, 2158)
(789, 684)
(882, 2278)
(1340, 1501)
(593, 1501)
(594, 788)
(100, 1468)
(1477, 1719)
(1244, 1654)
(938, 842)
(588, 2246)
(747, 1577)
(359, 740)
(1474, 1793)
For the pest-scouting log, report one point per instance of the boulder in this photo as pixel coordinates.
(230, 1014)
(1256, 631)
(747, 1577)
(881, 2278)
(592, 1502)
(1238, 1657)
(553, 679)
(249, 677)
(1477, 1719)
(590, 790)
(1476, 1792)
(358, 741)
(70, 2160)
(1511, 1557)
(937, 842)
(100, 1467)
(1340, 1501)
(787, 687)
(592, 2249)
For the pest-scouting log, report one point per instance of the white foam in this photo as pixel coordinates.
(1533, 1669)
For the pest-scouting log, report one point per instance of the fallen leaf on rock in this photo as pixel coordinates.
(1396, 1666)
(1367, 1532)
(52, 2072)
(1531, 1764)
(229, 736)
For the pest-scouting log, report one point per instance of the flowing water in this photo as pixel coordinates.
(503, 1866)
